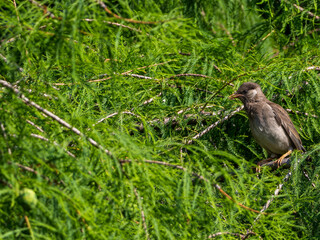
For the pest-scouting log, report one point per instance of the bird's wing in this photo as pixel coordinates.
(282, 117)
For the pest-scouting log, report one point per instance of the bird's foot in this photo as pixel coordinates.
(283, 157)
(262, 162)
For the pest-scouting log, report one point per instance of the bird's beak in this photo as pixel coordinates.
(235, 95)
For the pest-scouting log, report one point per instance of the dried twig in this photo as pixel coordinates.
(7, 62)
(55, 143)
(15, 7)
(242, 236)
(228, 33)
(29, 226)
(141, 76)
(312, 68)
(114, 114)
(117, 24)
(117, 16)
(44, 8)
(264, 38)
(185, 54)
(33, 124)
(224, 233)
(189, 74)
(28, 169)
(302, 113)
(142, 213)
(196, 175)
(308, 12)
(214, 125)
(124, 73)
(276, 192)
(151, 99)
(53, 116)
(5, 137)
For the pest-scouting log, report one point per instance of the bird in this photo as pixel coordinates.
(270, 124)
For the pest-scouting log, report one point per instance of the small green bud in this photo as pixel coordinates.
(28, 197)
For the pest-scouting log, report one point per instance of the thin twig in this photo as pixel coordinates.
(44, 8)
(264, 38)
(117, 24)
(173, 120)
(15, 7)
(29, 226)
(5, 137)
(142, 213)
(276, 192)
(225, 233)
(214, 125)
(302, 113)
(308, 12)
(124, 73)
(228, 33)
(28, 169)
(101, 3)
(312, 68)
(184, 54)
(151, 99)
(53, 116)
(7, 62)
(242, 236)
(196, 175)
(54, 142)
(141, 76)
(190, 74)
(33, 124)
(114, 114)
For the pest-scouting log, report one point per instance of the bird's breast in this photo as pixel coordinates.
(266, 130)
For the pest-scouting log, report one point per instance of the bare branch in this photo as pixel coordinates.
(312, 68)
(302, 113)
(37, 127)
(53, 116)
(7, 62)
(276, 192)
(5, 136)
(124, 73)
(55, 143)
(151, 99)
(101, 3)
(308, 12)
(228, 33)
(141, 76)
(142, 213)
(214, 125)
(114, 114)
(44, 8)
(190, 74)
(29, 169)
(225, 233)
(117, 24)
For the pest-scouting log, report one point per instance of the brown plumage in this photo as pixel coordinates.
(270, 124)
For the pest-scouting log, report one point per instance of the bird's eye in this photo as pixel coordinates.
(244, 91)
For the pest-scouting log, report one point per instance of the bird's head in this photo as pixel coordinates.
(249, 92)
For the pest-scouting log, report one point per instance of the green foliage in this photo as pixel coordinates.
(54, 51)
